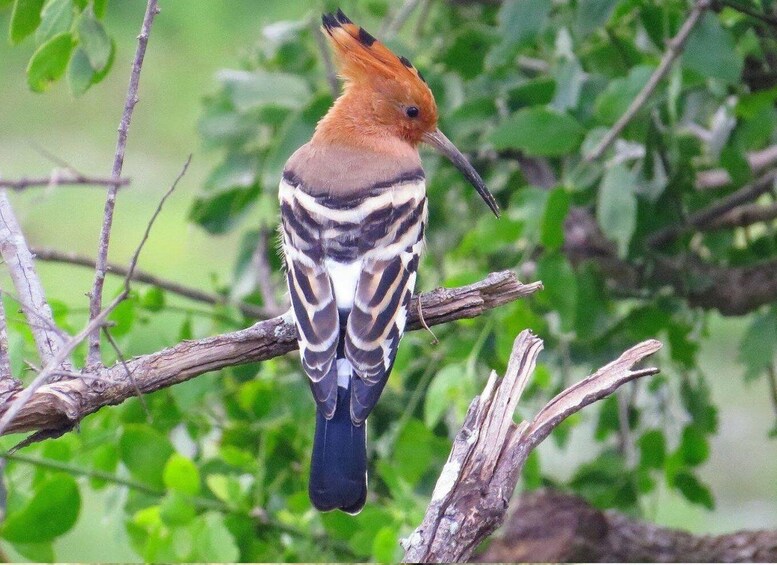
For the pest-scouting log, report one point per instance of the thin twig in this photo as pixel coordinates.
(264, 278)
(129, 374)
(426, 8)
(711, 213)
(674, 48)
(393, 25)
(95, 298)
(31, 295)
(70, 258)
(331, 72)
(55, 180)
(435, 341)
(771, 377)
(94, 324)
(742, 216)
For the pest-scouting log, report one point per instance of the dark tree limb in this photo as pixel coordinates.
(59, 406)
(549, 526)
(474, 490)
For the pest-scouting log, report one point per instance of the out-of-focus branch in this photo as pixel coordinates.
(56, 180)
(326, 58)
(555, 527)
(477, 482)
(747, 193)
(716, 178)
(54, 255)
(59, 406)
(95, 298)
(5, 362)
(742, 216)
(673, 50)
(18, 259)
(264, 278)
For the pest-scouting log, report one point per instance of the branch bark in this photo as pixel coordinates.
(59, 406)
(95, 298)
(550, 526)
(674, 48)
(18, 259)
(476, 484)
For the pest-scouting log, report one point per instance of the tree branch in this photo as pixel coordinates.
(702, 217)
(555, 527)
(17, 257)
(60, 405)
(95, 298)
(55, 180)
(717, 178)
(674, 48)
(474, 489)
(745, 215)
(70, 258)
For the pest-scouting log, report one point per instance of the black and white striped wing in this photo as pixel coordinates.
(379, 313)
(315, 314)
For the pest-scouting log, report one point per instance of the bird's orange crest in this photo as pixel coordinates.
(381, 89)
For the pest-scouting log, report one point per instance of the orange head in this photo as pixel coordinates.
(385, 100)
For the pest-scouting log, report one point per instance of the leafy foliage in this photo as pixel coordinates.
(526, 88)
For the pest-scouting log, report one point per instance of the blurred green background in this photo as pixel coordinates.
(189, 43)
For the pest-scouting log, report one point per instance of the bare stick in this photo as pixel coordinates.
(95, 299)
(55, 180)
(264, 275)
(746, 194)
(331, 72)
(674, 48)
(70, 258)
(29, 289)
(745, 215)
(95, 323)
(60, 405)
(476, 484)
(5, 362)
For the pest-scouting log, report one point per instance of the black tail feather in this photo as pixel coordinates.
(338, 469)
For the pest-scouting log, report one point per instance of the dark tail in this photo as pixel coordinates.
(338, 469)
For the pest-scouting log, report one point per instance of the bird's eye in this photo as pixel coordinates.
(411, 111)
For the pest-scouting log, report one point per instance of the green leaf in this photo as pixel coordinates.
(153, 299)
(222, 212)
(182, 475)
(49, 62)
(616, 98)
(145, 452)
(560, 284)
(694, 490)
(177, 509)
(694, 447)
(213, 541)
(99, 7)
(758, 347)
(57, 16)
(519, 24)
(616, 209)
(52, 511)
(652, 449)
(36, 552)
(711, 52)
(385, 546)
(592, 15)
(250, 90)
(552, 228)
(25, 18)
(444, 389)
(94, 41)
(538, 131)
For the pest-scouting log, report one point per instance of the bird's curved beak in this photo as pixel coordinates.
(444, 145)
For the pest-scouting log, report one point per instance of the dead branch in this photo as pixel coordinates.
(95, 298)
(18, 259)
(70, 258)
(60, 405)
(56, 180)
(476, 484)
(554, 527)
(745, 215)
(673, 50)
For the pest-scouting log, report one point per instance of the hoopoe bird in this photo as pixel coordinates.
(353, 213)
